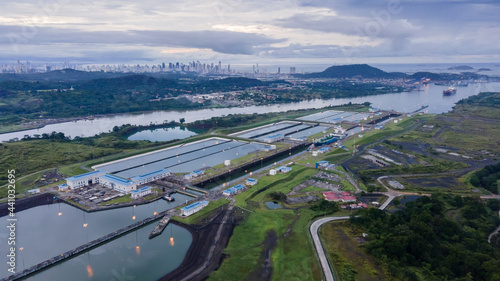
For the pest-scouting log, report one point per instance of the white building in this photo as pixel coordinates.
(143, 191)
(84, 179)
(113, 181)
(149, 177)
(250, 182)
(193, 208)
(117, 183)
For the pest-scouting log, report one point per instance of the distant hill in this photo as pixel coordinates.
(461, 67)
(354, 70)
(65, 75)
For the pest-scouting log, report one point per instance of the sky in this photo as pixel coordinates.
(246, 32)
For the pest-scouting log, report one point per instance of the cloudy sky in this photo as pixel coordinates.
(244, 31)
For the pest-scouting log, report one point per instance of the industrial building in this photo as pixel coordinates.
(143, 191)
(193, 208)
(113, 181)
(233, 190)
(284, 169)
(250, 182)
(84, 179)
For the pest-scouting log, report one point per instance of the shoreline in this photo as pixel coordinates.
(61, 120)
(203, 240)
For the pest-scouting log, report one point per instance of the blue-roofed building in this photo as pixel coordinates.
(63, 187)
(322, 164)
(143, 191)
(84, 179)
(117, 183)
(149, 177)
(250, 182)
(234, 190)
(239, 188)
(324, 149)
(228, 192)
(193, 208)
(284, 169)
(194, 174)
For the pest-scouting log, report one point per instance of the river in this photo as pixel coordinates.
(430, 95)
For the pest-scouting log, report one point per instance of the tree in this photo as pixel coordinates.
(278, 196)
(395, 201)
(182, 120)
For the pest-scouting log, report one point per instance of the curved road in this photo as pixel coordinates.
(313, 229)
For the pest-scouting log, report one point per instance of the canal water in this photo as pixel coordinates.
(430, 95)
(163, 134)
(46, 231)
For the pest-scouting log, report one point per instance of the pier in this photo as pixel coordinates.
(421, 108)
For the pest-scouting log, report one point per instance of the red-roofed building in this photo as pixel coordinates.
(331, 196)
(345, 193)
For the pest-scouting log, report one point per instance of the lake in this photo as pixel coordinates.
(163, 134)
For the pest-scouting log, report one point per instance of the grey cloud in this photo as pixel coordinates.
(384, 26)
(227, 42)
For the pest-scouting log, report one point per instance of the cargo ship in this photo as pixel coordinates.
(450, 91)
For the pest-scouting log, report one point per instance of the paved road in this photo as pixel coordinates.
(313, 229)
(319, 247)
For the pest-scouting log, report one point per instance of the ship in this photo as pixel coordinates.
(326, 140)
(169, 198)
(450, 91)
(339, 134)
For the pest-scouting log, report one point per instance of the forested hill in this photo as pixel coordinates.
(354, 70)
(367, 71)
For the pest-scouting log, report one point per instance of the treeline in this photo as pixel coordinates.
(487, 178)
(487, 99)
(434, 238)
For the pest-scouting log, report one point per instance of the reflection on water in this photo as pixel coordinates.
(131, 257)
(163, 134)
(46, 231)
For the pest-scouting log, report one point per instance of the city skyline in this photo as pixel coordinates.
(295, 31)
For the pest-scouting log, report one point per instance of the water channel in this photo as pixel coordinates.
(45, 231)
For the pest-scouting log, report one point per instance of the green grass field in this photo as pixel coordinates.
(350, 261)
(294, 257)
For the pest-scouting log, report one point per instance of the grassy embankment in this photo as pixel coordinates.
(349, 259)
(293, 257)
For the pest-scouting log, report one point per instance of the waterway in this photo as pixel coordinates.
(46, 231)
(163, 134)
(430, 95)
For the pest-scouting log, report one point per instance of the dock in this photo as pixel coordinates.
(186, 193)
(159, 227)
(196, 189)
